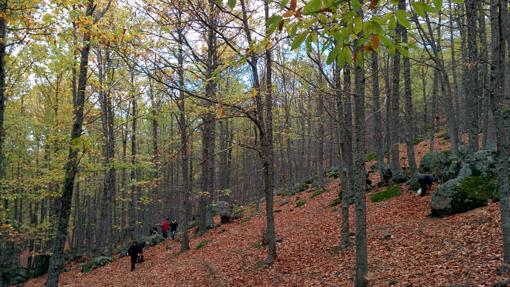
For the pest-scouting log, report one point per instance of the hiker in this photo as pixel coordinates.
(133, 253)
(173, 228)
(425, 182)
(164, 228)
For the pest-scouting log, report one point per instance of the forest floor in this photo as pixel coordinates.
(406, 248)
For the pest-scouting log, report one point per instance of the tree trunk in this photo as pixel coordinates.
(64, 202)
(3, 44)
(346, 146)
(376, 110)
(359, 174)
(107, 116)
(409, 111)
(470, 68)
(133, 217)
(267, 148)
(395, 167)
(499, 31)
(183, 127)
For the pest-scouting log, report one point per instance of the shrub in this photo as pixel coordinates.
(370, 156)
(154, 239)
(300, 187)
(318, 192)
(237, 212)
(310, 180)
(96, 263)
(417, 140)
(336, 201)
(479, 189)
(202, 244)
(334, 172)
(300, 202)
(193, 224)
(390, 192)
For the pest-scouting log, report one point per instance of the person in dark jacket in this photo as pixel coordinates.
(425, 182)
(173, 228)
(133, 253)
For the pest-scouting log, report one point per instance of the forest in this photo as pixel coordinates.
(118, 114)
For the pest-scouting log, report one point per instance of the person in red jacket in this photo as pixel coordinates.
(165, 228)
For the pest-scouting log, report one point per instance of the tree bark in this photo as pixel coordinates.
(472, 86)
(107, 117)
(376, 110)
(64, 202)
(499, 32)
(409, 110)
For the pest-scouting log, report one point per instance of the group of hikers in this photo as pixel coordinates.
(135, 251)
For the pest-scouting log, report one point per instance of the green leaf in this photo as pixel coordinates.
(388, 43)
(403, 51)
(402, 18)
(419, 8)
(231, 3)
(355, 4)
(438, 4)
(284, 3)
(333, 55)
(273, 22)
(357, 25)
(392, 24)
(312, 7)
(347, 54)
(298, 40)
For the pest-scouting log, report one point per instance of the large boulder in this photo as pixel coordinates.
(435, 163)
(225, 211)
(464, 193)
(482, 162)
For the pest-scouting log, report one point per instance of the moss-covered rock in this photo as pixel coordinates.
(482, 162)
(463, 194)
(390, 192)
(154, 239)
(435, 163)
(96, 263)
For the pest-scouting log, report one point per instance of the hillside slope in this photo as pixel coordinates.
(406, 248)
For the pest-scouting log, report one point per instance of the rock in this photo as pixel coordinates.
(482, 162)
(465, 171)
(284, 202)
(399, 177)
(453, 169)
(434, 163)
(225, 211)
(462, 194)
